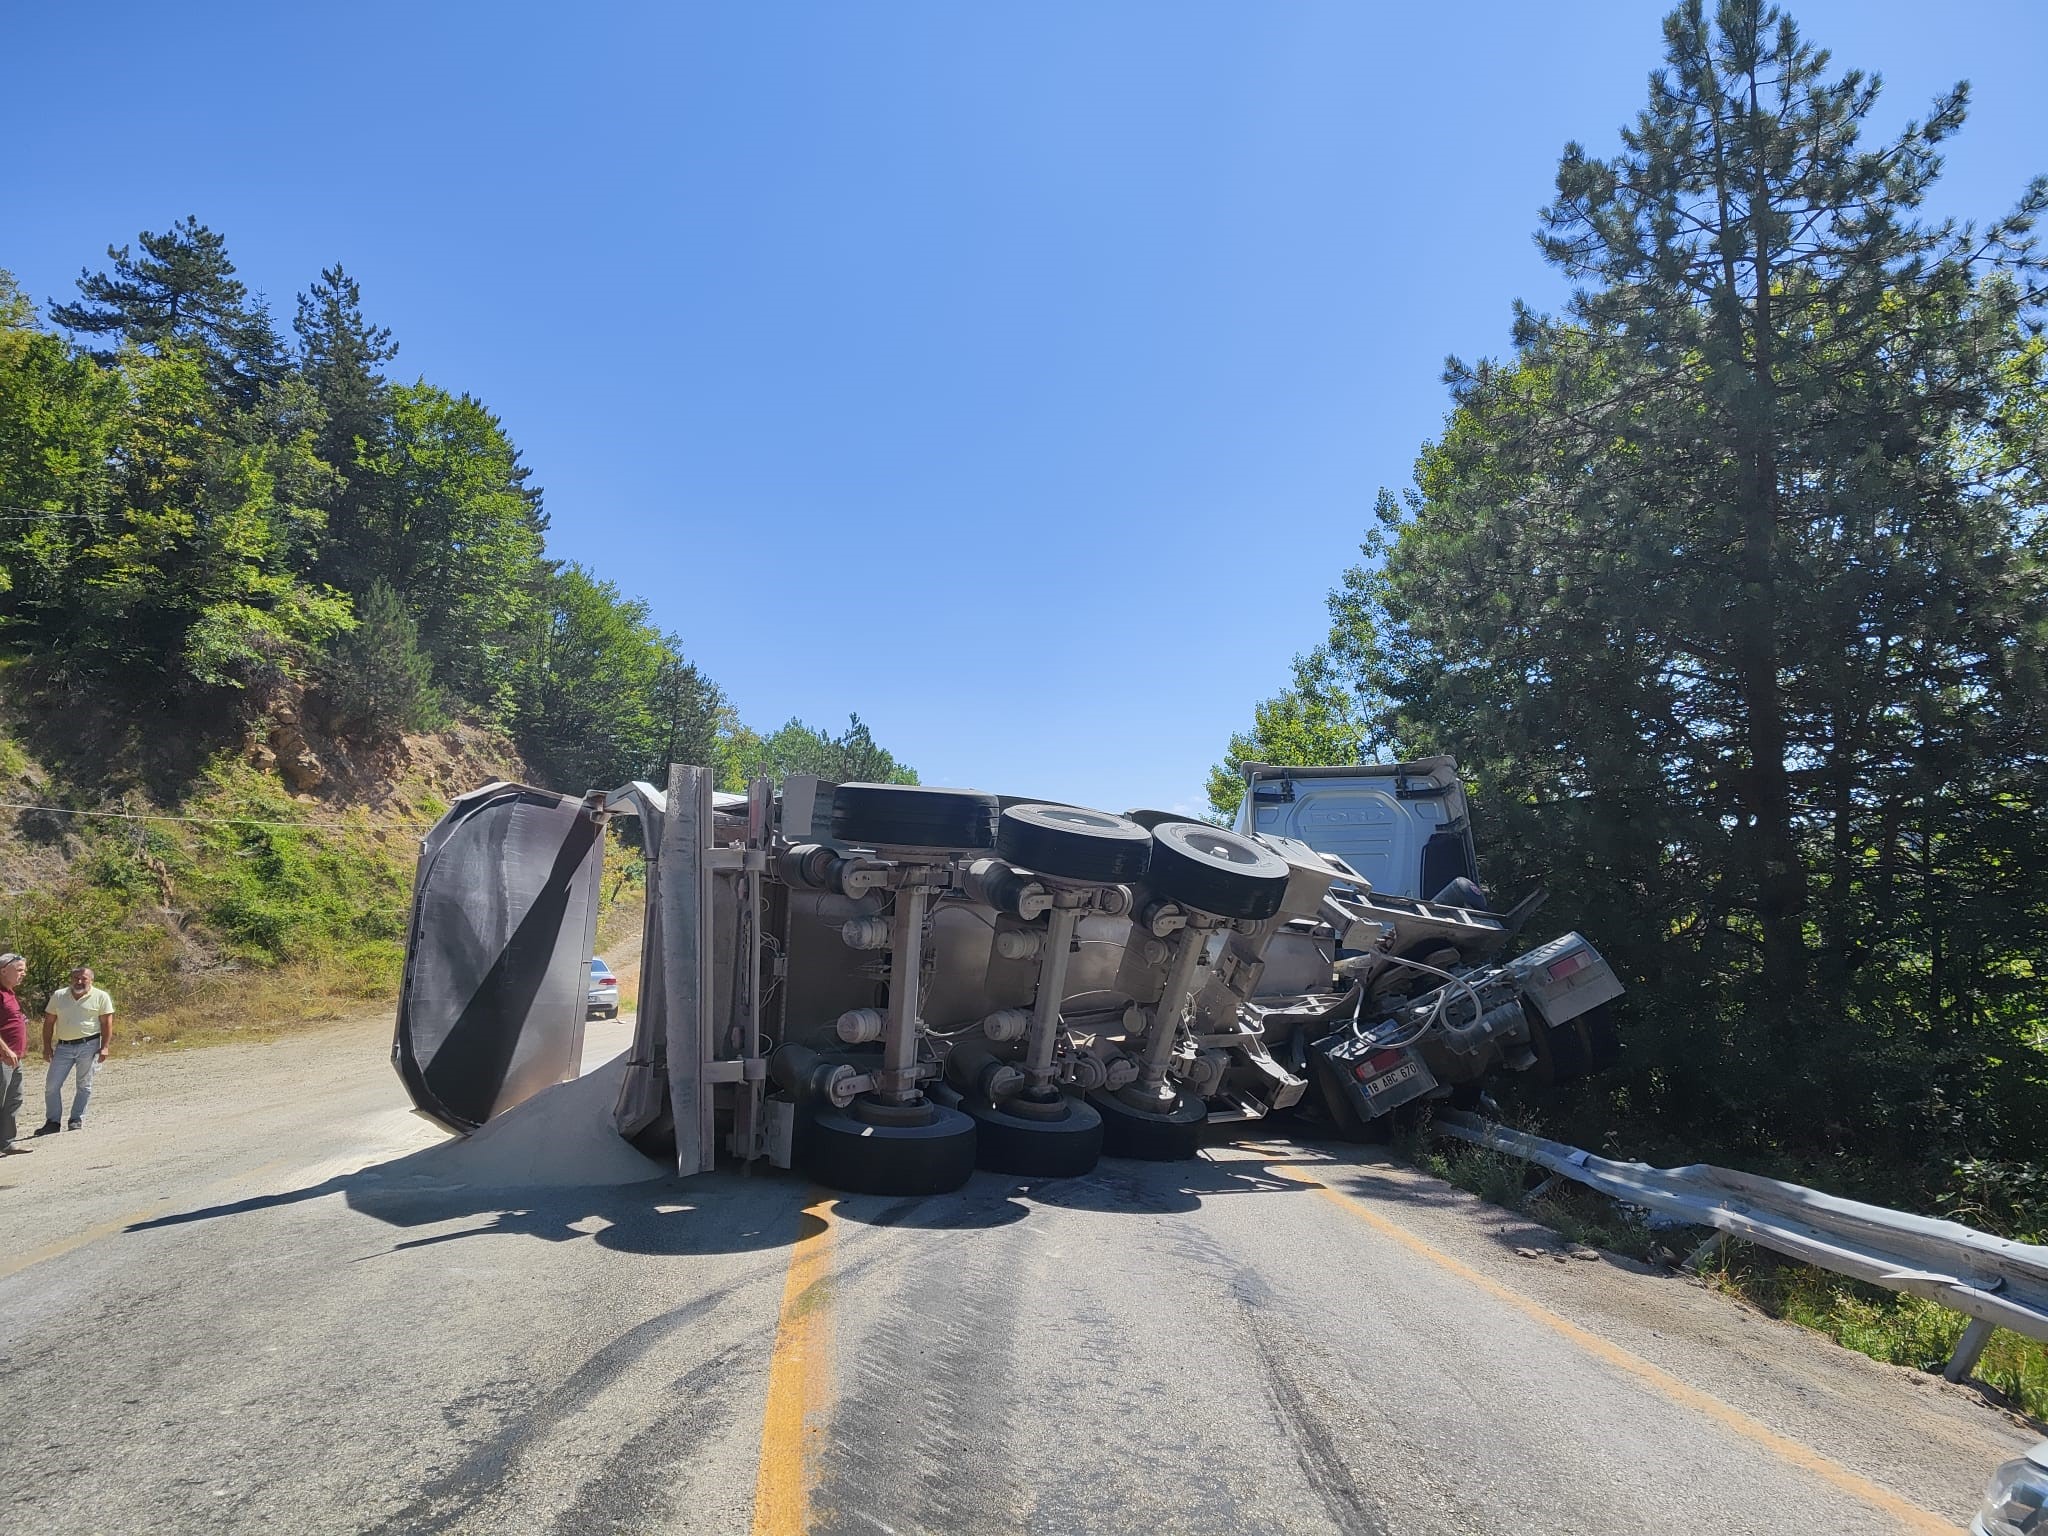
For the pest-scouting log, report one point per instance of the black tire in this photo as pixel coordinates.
(1344, 1119)
(1462, 893)
(1603, 1039)
(1346, 1123)
(913, 816)
(1070, 843)
(1131, 1132)
(1563, 1052)
(842, 1151)
(1150, 818)
(1042, 1149)
(1216, 871)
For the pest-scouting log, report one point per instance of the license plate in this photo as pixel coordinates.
(1406, 1072)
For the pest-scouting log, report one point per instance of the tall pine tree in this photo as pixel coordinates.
(1730, 589)
(180, 289)
(342, 357)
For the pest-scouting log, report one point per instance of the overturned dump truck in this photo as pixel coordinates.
(889, 986)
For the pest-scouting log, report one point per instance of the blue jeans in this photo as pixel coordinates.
(67, 1057)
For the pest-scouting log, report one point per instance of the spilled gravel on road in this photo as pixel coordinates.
(561, 1136)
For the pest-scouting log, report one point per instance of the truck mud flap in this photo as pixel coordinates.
(497, 959)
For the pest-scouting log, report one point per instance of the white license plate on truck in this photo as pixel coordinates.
(1387, 1081)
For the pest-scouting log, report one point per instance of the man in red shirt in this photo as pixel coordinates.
(13, 1047)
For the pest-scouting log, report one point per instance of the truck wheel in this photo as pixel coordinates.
(914, 816)
(842, 1151)
(1061, 1148)
(1603, 1040)
(1563, 1052)
(1346, 1123)
(1215, 871)
(1156, 1138)
(1462, 892)
(1070, 843)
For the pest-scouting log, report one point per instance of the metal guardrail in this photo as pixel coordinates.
(1994, 1281)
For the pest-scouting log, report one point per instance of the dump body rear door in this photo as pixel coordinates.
(504, 918)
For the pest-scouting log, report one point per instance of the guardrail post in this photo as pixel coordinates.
(1711, 1248)
(1968, 1348)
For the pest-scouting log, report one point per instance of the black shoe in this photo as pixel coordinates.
(76, 1125)
(47, 1128)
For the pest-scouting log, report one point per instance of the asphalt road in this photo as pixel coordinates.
(226, 1306)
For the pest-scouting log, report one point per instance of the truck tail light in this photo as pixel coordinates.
(1570, 965)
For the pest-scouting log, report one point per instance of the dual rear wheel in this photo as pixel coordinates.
(1052, 1135)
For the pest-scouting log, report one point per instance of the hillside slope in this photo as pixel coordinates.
(260, 882)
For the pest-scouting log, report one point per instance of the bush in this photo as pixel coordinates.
(376, 681)
(1896, 1328)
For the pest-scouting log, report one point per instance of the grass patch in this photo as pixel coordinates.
(263, 913)
(261, 1005)
(1895, 1328)
(1898, 1329)
(1577, 1214)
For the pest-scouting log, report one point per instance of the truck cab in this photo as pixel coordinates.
(1405, 827)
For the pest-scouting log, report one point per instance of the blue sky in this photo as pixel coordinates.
(1020, 376)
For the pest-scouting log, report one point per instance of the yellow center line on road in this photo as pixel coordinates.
(799, 1381)
(1910, 1516)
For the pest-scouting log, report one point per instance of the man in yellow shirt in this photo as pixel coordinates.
(81, 1018)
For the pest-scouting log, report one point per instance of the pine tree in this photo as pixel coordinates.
(182, 288)
(691, 709)
(1761, 289)
(460, 532)
(1728, 587)
(341, 355)
(853, 756)
(376, 681)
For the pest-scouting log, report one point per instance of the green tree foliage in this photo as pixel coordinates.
(602, 696)
(59, 418)
(1728, 590)
(197, 517)
(180, 291)
(1317, 720)
(182, 571)
(341, 357)
(851, 757)
(461, 536)
(375, 680)
(692, 713)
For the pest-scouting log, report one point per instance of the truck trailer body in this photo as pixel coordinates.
(891, 985)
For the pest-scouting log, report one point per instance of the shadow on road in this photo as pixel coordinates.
(735, 1212)
(718, 1213)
